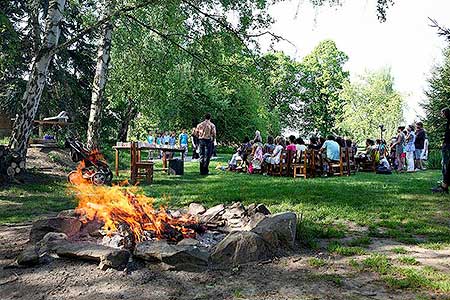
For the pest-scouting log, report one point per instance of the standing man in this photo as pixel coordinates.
(206, 133)
(443, 188)
(420, 146)
(183, 138)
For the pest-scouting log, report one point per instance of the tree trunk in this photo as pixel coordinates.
(98, 86)
(23, 124)
(126, 119)
(34, 21)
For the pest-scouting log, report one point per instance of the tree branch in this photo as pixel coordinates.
(445, 32)
(236, 33)
(99, 23)
(167, 37)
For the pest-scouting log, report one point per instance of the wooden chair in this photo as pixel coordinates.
(336, 168)
(345, 162)
(300, 164)
(352, 166)
(140, 169)
(316, 163)
(370, 165)
(280, 168)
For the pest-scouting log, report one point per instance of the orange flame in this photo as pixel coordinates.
(76, 177)
(118, 205)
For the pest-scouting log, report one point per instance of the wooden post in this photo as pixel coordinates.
(117, 162)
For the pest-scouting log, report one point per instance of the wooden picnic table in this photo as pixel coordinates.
(140, 148)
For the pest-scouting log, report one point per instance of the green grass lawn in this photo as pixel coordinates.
(398, 206)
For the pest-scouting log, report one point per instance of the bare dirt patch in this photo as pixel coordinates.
(290, 277)
(50, 161)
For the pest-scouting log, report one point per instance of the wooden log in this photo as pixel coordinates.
(10, 171)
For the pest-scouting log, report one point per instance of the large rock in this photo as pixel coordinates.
(278, 230)
(212, 213)
(181, 257)
(236, 210)
(196, 209)
(253, 221)
(69, 213)
(240, 247)
(67, 225)
(107, 256)
(234, 217)
(29, 256)
(50, 241)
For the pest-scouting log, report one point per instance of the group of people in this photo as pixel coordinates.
(406, 152)
(254, 156)
(170, 140)
(409, 148)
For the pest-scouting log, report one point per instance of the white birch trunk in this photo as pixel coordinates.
(98, 86)
(23, 124)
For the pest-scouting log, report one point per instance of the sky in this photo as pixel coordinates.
(405, 42)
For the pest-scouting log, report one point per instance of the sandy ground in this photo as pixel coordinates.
(288, 277)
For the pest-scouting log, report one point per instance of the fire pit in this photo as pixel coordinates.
(114, 226)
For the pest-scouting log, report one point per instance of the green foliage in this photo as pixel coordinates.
(280, 79)
(338, 248)
(369, 102)
(317, 262)
(173, 89)
(408, 260)
(361, 241)
(378, 263)
(434, 160)
(438, 97)
(399, 250)
(322, 80)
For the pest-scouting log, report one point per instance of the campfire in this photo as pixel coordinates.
(118, 225)
(118, 207)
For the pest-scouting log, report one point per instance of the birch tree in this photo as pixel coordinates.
(98, 86)
(24, 121)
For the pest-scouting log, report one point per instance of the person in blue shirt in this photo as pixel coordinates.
(173, 139)
(332, 149)
(150, 138)
(151, 141)
(184, 140)
(166, 138)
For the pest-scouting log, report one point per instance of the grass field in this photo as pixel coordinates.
(398, 207)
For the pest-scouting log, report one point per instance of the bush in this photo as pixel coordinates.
(434, 159)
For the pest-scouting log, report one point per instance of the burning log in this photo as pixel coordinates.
(116, 206)
(12, 164)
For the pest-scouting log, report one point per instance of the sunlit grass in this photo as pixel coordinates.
(398, 206)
